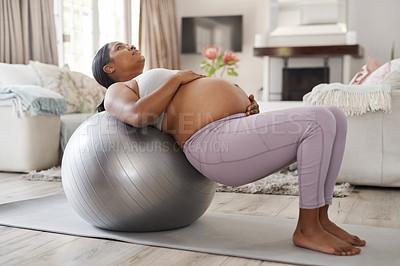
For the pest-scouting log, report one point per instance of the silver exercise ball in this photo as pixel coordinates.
(122, 178)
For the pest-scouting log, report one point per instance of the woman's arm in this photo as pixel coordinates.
(122, 102)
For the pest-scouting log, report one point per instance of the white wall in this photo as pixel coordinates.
(375, 21)
(255, 18)
(377, 24)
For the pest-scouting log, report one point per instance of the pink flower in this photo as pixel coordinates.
(218, 61)
(211, 52)
(228, 57)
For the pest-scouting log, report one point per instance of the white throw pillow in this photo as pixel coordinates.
(365, 71)
(59, 80)
(82, 93)
(387, 74)
(17, 74)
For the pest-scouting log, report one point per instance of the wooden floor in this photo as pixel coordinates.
(367, 206)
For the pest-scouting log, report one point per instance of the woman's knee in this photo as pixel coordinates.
(326, 120)
(340, 117)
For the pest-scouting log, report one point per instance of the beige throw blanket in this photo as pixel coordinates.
(353, 99)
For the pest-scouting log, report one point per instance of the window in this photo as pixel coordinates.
(83, 26)
(77, 33)
(112, 21)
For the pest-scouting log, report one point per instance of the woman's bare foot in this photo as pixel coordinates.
(322, 241)
(335, 230)
(310, 234)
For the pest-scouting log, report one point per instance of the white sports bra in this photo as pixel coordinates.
(149, 82)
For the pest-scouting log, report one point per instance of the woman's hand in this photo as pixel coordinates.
(186, 76)
(252, 109)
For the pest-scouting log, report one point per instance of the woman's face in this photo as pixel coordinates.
(126, 62)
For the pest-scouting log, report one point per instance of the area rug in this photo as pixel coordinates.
(253, 237)
(283, 182)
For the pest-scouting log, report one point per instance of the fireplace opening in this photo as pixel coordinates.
(296, 82)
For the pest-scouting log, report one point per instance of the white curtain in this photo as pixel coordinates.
(27, 31)
(158, 37)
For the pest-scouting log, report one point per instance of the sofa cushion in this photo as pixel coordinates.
(69, 123)
(17, 74)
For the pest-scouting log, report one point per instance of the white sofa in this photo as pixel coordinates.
(29, 142)
(36, 142)
(372, 154)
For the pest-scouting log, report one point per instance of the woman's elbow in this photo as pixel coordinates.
(123, 115)
(130, 114)
(142, 119)
(132, 118)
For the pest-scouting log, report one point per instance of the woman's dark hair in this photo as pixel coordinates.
(101, 59)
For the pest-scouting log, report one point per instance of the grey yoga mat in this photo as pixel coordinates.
(244, 236)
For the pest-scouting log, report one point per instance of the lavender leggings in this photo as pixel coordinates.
(240, 149)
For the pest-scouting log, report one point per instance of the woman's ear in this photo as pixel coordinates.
(108, 69)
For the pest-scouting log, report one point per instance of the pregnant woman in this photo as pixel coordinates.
(211, 120)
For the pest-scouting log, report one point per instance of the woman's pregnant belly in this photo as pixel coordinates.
(201, 102)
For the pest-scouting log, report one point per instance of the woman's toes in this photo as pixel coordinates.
(361, 242)
(358, 242)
